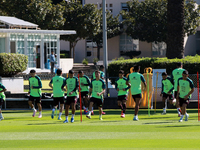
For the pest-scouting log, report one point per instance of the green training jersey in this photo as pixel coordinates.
(121, 84)
(102, 75)
(37, 85)
(185, 87)
(72, 85)
(135, 79)
(85, 80)
(176, 74)
(97, 87)
(58, 84)
(2, 95)
(167, 85)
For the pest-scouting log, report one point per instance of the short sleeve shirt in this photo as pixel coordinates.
(167, 85)
(72, 85)
(121, 84)
(97, 87)
(85, 80)
(135, 79)
(37, 85)
(2, 95)
(58, 84)
(176, 74)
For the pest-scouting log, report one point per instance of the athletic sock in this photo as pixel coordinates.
(89, 113)
(100, 116)
(53, 110)
(40, 112)
(60, 114)
(1, 115)
(66, 117)
(181, 117)
(164, 109)
(121, 107)
(124, 108)
(179, 111)
(33, 109)
(73, 115)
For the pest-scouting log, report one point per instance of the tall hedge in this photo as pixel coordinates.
(190, 63)
(11, 64)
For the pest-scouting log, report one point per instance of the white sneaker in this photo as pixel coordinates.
(59, 118)
(181, 119)
(40, 116)
(186, 117)
(135, 118)
(34, 112)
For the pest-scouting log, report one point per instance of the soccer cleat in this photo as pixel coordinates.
(103, 113)
(88, 116)
(72, 120)
(66, 121)
(135, 118)
(163, 113)
(181, 120)
(92, 113)
(34, 112)
(186, 117)
(123, 115)
(52, 115)
(100, 118)
(40, 116)
(59, 118)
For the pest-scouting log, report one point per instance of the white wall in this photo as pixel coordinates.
(66, 64)
(190, 45)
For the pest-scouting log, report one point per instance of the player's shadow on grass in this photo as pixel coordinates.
(164, 122)
(43, 123)
(157, 118)
(178, 126)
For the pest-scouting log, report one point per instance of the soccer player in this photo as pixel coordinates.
(184, 90)
(135, 79)
(122, 88)
(84, 85)
(72, 86)
(2, 98)
(57, 83)
(35, 86)
(176, 74)
(102, 76)
(97, 89)
(167, 90)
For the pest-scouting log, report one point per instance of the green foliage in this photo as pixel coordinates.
(147, 20)
(11, 64)
(64, 55)
(190, 63)
(85, 61)
(95, 60)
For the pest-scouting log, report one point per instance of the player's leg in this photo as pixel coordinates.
(85, 104)
(90, 108)
(1, 103)
(124, 108)
(55, 105)
(164, 104)
(61, 108)
(73, 111)
(137, 99)
(38, 101)
(103, 113)
(30, 102)
(66, 113)
(119, 102)
(100, 104)
(181, 101)
(177, 104)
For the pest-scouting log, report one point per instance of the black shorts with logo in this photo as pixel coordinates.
(168, 95)
(137, 96)
(98, 101)
(122, 97)
(56, 100)
(70, 100)
(182, 101)
(84, 94)
(37, 99)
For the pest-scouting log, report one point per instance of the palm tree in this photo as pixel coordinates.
(175, 36)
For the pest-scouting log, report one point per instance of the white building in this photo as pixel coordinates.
(19, 36)
(118, 44)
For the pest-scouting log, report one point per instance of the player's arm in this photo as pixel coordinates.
(172, 82)
(90, 90)
(116, 85)
(127, 81)
(191, 91)
(143, 80)
(75, 88)
(29, 87)
(64, 84)
(103, 87)
(178, 89)
(88, 82)
(50, 83)
(129, 85)
(39, 84)
(3, 88)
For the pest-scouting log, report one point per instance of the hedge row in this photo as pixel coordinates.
(190, 63)
(11, 64)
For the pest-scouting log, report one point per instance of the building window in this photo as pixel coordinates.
(100, 5)
(111, 10)
(111, 5)
(17, 43)
(124, 7)
(159, 49)
(128, 44)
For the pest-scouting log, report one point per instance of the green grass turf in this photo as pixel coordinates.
(21, 131)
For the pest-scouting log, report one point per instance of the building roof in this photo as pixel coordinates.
(60, 32)
(15, 22)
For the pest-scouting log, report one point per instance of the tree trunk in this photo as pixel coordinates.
(175, 25)
(70, 49)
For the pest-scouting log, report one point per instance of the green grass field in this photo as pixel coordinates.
(19, 130)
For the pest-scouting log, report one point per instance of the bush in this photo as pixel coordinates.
(85, 61)
(190, 63)
(11, 64)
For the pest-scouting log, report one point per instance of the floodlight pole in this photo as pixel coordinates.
(105, 56)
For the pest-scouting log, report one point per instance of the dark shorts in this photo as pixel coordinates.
(56, 100)
(1, 101)
(70, 100)
(98, 101)
(182, 101)
(122, 97)
(136, 96)
(175, 94)
(168, 95)
(84, 94)
(37, 99)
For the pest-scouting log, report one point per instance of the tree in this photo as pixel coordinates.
(113, 29)
(147, 20)
(42, 12)
(84, 20)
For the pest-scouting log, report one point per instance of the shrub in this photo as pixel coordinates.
(190, 63)
(11, 64)
(85, 61)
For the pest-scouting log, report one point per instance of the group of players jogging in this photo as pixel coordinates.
(92, 91)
